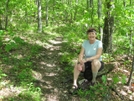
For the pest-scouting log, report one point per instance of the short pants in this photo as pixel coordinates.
(88, 65)
(88, 70)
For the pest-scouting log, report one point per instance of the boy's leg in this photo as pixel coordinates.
(96, 64)
(76, 74)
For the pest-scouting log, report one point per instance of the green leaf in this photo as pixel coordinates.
(104, 78)
(115, 79)
(124, 79)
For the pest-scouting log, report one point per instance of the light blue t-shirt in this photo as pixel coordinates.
(91, 49)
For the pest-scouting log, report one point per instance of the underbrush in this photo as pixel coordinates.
(16, 66)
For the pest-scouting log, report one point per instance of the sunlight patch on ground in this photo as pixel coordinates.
(10, 91)
(50, 74)
(47, 46)
(19, 56)
(55, 42)
(55, 48)
(4, 83)
(123, 92)
(48, 65)
(52, 97)
(39, 43)
(37, 75)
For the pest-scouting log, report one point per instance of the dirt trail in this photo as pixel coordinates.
(50, 72)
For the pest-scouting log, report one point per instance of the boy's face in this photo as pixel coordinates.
(91, 36)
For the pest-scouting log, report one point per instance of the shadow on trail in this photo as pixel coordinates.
(28, 63)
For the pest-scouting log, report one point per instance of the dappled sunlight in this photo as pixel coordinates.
(55, 42)
(47, 46)
(37, 75)
(19, 56)
(52, 97)
(123, 93)
(11, 91)
(120, 75)
(38, 42)
(4, 83)
(50, 74)
(46, 64)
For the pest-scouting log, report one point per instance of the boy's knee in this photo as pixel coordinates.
(96, 63)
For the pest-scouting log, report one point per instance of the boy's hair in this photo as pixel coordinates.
(91, 30)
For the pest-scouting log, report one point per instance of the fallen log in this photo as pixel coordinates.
(107, 68)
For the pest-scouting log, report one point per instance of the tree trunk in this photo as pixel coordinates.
(92, 11)
(6, 13)
(99, 17)
(124, 2)
(75, 13)
(131, 35)
(131, 74)
(0, 24)
(53, 18)
(131, 46)
(87, 4)
(39, 17)
(46, 12)
(108, 28)
(26, 14)
(91, 3)
(130, 1)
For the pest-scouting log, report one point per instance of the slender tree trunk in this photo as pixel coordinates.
(6, 13)
(130, 1)
(39, 17)
(53, 11)
(92, 11)
(87, 4)
(131, 31)
(71, 14)
(91, 3)
(131, 74)
(26, 18)
(124, 2)
(0, 23)
(131, 46)
(75, 13)
(108, 28)
(46, 12)
(99, 17)
(131, 53)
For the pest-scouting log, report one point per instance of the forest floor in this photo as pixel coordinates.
(48, 71)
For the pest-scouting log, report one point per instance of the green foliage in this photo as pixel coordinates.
(35, 49)
(1, 33)
(31, 94)
(96, 92)
(107, 57)
(115, 79)
(2, 74)
(25, 75)
(66, 57)
(119, 78)
(13, 44)
(104, 79)
(101, 90)
(10, 46)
